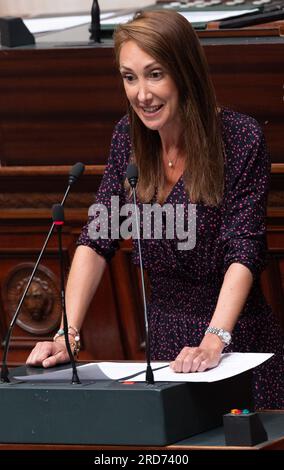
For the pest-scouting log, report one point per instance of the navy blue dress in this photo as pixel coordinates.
(185, 284)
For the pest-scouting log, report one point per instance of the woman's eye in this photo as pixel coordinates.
(128, 77)
(156, 74)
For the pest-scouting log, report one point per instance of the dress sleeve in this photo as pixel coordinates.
(243, 230)
(112, 185)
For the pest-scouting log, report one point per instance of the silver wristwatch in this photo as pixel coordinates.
(224, 335)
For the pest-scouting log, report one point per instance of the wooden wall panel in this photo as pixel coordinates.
(59, 105)
(128, 296)
(101, 333)
(251, 81)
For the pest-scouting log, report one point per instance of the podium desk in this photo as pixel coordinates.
(211, 440)
(109, 414)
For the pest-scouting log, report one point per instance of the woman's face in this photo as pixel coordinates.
(150, 90)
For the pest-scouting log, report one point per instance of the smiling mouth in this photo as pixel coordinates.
(152, 109)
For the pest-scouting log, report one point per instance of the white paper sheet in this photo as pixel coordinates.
(43, 25)
(206, 16)
(191, 16)
(231, 364)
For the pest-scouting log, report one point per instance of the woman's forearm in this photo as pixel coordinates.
(85, 274)
(233, 295)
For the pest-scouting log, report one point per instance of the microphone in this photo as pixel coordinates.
(132, 176)
(74, 174)
(95, 28)
(58, 220)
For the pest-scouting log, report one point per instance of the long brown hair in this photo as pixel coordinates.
(169, 38)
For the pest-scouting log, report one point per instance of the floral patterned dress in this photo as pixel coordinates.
(185, 284)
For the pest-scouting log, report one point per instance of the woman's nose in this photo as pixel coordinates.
(144, 93)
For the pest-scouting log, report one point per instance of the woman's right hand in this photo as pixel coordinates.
(48, 354)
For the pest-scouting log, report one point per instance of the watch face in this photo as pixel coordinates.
(226, 337)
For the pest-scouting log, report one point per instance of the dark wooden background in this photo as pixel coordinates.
(59, 106)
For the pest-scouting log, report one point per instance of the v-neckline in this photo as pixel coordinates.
(173, 189)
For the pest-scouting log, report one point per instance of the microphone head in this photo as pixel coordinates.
(58, 214)
(132, 174)
(75, 172)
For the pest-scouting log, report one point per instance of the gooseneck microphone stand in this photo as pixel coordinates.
(132, 176)
(75, 173)
(58, 219)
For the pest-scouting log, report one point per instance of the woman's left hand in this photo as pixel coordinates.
(197, 359)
